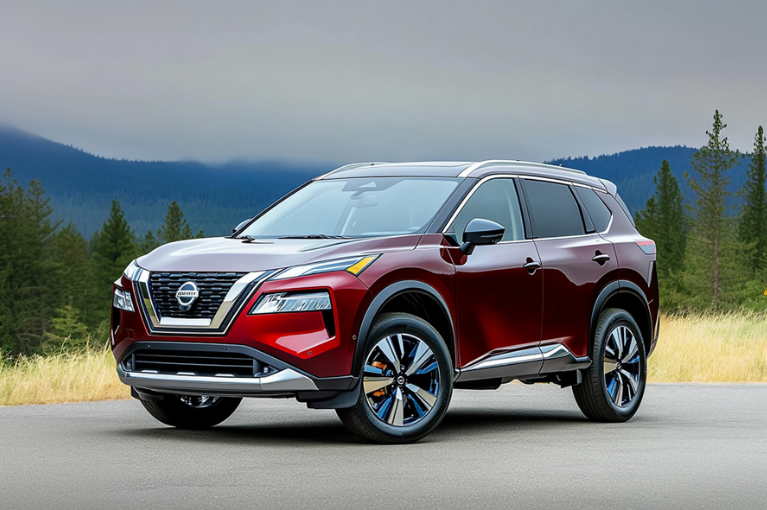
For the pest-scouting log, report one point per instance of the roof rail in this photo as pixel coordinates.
(349, 167)
(494, 162)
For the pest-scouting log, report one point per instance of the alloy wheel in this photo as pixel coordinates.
(401, 379)
(622, 366)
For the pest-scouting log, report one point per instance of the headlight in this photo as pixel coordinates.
(132, 270)
(122, 300)
(353, 265)
(285, 302)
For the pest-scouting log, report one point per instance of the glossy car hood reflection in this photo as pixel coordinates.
(221, 254)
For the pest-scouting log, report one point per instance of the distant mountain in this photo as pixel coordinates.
(217, 197)
(213, 197)
(633, 171)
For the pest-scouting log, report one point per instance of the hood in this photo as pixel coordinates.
(221, 254)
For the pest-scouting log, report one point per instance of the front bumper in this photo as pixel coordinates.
(197, 368)
(284, 381)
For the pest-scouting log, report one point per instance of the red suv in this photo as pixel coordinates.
(378, 288)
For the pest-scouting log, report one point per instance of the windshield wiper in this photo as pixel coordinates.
(251, 239)
(313, 236)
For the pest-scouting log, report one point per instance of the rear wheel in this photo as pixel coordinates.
(614, 384)
(407, 382)
(192, 412)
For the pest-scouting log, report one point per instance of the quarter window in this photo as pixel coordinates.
(597, 209)
(555, 212)
(495, 200)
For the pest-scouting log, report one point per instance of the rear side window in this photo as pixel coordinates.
(597, 209)
(555, 212)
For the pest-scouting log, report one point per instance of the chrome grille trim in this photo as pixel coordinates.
(239, 293)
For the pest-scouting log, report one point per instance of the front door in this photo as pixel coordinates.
(498, 300)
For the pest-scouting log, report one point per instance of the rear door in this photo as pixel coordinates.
(576, 261)
(498, 301)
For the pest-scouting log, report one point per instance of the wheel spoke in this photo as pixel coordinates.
(618, 398)
(630, 378)
(632, 350)
(376, 383)
(422, 355)
(387, 348)
(397, 411)
(423, 396)
(610, 365)
(370, 369)
(616, 341)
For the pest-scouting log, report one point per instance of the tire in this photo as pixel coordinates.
(401, 404)
(613, 387)
(191, 412)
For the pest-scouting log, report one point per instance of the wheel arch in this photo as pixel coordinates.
(408, 296)
(627, 296)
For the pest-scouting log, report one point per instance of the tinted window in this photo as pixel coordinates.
(597, 209)
(494, 200)
(554, 209)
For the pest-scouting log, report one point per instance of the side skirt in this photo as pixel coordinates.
(529, 363)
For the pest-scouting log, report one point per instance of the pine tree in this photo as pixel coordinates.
(753, 222)
(113, 249)
(27, 283)
(174, 226)
(712, 164)
(70, 256)
(149, 242)
(663, 220)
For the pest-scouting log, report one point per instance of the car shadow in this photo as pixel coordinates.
(460, 421)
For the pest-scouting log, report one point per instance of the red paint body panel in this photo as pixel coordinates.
(499, 302)
(571, 284)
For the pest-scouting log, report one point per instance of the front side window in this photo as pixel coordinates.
(358, 207)
(555, 213)
(495, 200)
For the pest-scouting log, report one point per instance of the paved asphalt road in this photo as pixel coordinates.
(690, 446)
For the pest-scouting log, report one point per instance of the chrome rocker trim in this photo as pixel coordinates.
(286, 380)
(209, 327)
(522, 363)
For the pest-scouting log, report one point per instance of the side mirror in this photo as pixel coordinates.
(240, 225)
(481, 232)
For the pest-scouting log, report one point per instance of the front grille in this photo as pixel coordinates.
(212, 287)
(196, 362)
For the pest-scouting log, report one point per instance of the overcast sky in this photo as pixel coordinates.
(381, 80)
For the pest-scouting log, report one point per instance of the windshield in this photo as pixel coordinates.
(360, 207)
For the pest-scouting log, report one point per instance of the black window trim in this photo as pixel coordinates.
(612, 214)
(570, 184)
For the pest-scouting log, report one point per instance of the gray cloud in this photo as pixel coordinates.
(392, 80)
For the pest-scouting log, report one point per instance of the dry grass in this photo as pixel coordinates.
(711, 348)
(65, 377)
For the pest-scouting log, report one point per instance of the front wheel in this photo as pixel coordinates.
(407, 382)
(192, 412)
(614, 384)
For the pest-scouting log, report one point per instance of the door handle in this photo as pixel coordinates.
(532, 265)
(601, 258)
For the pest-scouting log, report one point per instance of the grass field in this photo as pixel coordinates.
(706, 349)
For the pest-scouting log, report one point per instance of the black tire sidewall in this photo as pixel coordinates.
(402, 323)
(615, 318)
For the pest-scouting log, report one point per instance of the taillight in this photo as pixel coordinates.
(647, 246)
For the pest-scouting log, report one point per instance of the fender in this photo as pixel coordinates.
(618, 287)
(381, 299)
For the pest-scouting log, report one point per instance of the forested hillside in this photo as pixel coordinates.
(632, 171)
(81, 186)
(216, 197)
